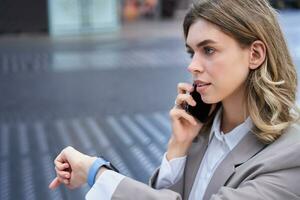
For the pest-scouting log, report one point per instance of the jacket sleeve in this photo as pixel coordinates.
(282, 184)
(128, 187)
(131, 189)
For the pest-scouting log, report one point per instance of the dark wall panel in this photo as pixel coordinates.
(26, 16)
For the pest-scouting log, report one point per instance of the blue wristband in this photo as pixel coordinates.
(98, 163)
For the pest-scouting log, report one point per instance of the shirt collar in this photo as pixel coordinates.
(232, 138)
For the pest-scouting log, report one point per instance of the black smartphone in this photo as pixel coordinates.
(201, 110)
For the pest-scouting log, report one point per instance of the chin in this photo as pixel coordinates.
(206, 100)
(209, 100)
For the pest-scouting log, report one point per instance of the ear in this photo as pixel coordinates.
(257, 54)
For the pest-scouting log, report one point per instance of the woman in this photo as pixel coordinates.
(249, 147)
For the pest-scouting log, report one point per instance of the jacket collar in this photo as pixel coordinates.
(243, 151)
(194, 158)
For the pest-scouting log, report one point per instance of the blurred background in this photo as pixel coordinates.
(99, 75)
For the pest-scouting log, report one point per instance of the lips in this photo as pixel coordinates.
(200, 83)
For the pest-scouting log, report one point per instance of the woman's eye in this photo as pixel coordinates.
(208, 50)
(191, 54)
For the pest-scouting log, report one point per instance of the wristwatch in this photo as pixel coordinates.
(98, 163)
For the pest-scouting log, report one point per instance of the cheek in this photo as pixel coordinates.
(217, 70)
(227, 74)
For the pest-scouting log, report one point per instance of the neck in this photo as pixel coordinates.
(234, 113)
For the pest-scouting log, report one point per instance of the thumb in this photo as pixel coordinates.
(54, 184)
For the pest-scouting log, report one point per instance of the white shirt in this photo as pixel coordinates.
(220, 145)
(105, 186)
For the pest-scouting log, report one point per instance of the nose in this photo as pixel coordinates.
(195, 66)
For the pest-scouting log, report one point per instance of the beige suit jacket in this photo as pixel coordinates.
(251, 170)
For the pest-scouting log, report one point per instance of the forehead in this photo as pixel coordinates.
(204, 30)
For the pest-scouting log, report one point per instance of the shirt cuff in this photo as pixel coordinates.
(170, 171)
(105, 186)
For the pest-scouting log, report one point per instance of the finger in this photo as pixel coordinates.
(177, 114)
(61, 166)
(54, 184)
(63, 174)
(62, 157)
(66, 181)
(185, 98)
(63, 180)
(183, 88)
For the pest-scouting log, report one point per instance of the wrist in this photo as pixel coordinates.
(177, 149)
(98, 166)
(100, 172)
(88, 162)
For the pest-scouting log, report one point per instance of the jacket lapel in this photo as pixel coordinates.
(194, 159)
(245, 149)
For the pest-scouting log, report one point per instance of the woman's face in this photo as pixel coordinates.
(217, 59)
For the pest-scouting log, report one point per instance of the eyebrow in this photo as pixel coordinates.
(202, 43)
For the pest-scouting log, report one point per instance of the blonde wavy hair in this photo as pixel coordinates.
(271, 88)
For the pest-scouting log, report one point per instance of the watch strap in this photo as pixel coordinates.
(98, 163)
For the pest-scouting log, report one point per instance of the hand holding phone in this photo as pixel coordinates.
(201, 110)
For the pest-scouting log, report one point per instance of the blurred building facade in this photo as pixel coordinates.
(61, 17)
(23, 16)
(82, 16)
